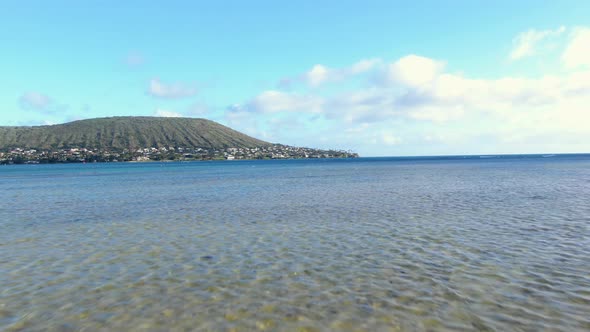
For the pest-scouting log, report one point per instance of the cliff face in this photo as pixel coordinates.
(119, 133)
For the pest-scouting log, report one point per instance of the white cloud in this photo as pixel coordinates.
(42, 104)
(361, 106)
(578, 83)
(437, 110)
(526, 43)
(363, 66)
(577, 53)
(171, 91)
(390, 139)
(413, 70)
(319, 74)
(39, 108)
(167, 114)
(437, 113)
(35, 101)
(424, 92)
(245, 121)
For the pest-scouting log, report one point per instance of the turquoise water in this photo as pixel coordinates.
(370, 244)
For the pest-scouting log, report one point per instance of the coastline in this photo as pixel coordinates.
(86, 155)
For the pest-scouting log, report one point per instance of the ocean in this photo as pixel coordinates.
(478, 243)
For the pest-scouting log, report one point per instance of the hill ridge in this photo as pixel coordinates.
(127, 132)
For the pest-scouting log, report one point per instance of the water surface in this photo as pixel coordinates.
(384, 244)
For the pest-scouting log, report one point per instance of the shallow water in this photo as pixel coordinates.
(404, 244)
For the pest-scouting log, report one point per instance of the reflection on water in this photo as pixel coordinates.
(305, 245)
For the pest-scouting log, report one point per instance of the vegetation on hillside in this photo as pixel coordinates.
(142, 139)
(119, 133)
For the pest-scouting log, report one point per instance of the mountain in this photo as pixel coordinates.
(118, 133)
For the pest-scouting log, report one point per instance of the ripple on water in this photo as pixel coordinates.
(308, 247)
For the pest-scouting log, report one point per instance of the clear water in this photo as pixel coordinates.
(394, 244)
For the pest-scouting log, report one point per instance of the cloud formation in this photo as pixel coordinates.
(415, 101)
(577, 53)
(320, 74)
(40, 108)
(35, 101)
(273, 101)
(167, 113)
(418, 87)
(170, 91)
(413, 70)
(526, 43)
(41, 103)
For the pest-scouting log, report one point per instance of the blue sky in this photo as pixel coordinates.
(377, 77)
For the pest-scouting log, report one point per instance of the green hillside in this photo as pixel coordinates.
(119, 133)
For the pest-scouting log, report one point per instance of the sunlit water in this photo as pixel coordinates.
(369, 244)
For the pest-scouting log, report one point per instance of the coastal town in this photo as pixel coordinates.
(88, 155)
